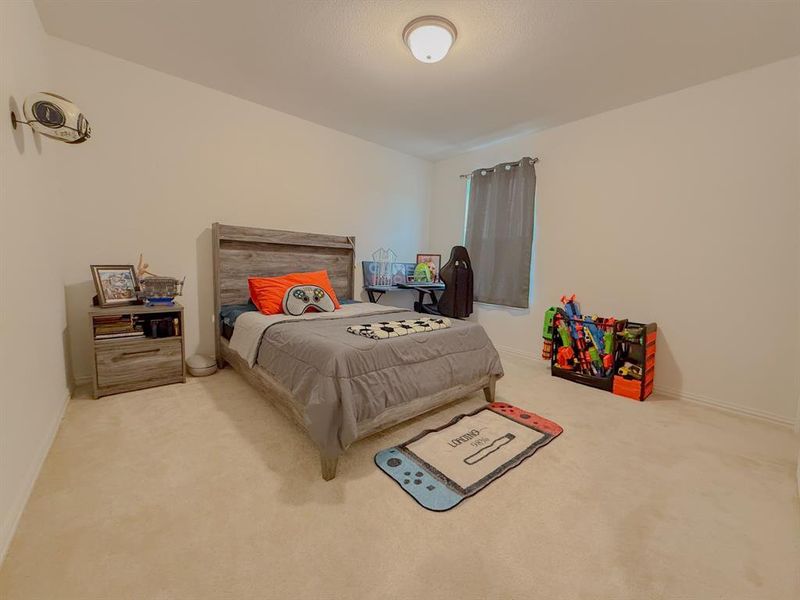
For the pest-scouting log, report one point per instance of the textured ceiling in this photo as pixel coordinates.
(516, 66)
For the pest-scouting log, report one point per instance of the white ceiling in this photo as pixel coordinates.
(516, 66)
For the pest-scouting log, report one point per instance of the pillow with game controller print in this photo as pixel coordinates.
(299, 299)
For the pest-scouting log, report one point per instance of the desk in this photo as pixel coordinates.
(421, 288)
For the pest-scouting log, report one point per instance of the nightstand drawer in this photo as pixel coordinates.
(138, 361)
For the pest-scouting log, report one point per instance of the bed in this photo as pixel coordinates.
(336, 386)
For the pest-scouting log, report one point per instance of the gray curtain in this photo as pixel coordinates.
(499, 232)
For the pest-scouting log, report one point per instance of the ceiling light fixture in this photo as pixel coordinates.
(429, 38)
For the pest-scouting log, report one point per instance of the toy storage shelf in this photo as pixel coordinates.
(642, 352)
(601, 383)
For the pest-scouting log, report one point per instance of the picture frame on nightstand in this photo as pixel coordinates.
(116, 285)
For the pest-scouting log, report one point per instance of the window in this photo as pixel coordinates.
(498, 231)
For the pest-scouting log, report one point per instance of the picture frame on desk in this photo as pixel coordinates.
(434, 263)
(116, 285)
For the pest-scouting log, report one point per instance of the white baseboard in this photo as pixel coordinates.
(689, 397)
(797, 430)
(11, 520)
(731, 408)
(518, 353)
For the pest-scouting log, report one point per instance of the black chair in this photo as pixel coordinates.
(456, 300)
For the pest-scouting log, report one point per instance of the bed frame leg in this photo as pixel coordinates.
(328, 467)
(488, 391)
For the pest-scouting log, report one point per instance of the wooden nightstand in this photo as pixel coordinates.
(123, 364)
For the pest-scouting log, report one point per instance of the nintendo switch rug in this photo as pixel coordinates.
(440, 467)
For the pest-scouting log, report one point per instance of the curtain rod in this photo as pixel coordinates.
(516, 164)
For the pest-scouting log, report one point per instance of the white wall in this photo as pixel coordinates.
(167, 158)
(682, 210)
(32, 372)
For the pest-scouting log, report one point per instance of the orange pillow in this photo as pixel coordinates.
(267, 292)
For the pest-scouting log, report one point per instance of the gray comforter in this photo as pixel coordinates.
(342, 379)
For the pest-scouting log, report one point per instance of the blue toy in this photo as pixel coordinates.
(594, 334)
(574, 314)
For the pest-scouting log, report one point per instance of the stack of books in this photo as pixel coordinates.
(116, 326)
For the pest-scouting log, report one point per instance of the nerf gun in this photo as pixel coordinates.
(608, 342)
(594, 357)
(566, 340)
(547, 333)
(594, 334)
(565, 357)
(581, 349)
(631, 334)
(608, 337)
(608, 363)
(573, 314)
(630, 370)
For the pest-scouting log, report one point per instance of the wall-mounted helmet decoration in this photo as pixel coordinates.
(55, 116)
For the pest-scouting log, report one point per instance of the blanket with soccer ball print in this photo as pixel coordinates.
(389, 329)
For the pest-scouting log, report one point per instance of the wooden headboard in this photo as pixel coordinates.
(242, 252)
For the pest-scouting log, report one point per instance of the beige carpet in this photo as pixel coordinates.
(203, 491)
